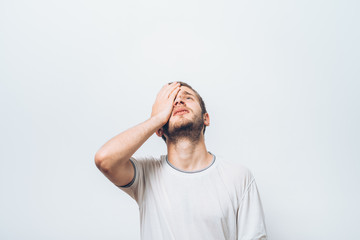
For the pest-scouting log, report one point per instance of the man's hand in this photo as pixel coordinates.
(113, 157)
(164, 102)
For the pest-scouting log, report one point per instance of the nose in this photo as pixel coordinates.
(178, 100)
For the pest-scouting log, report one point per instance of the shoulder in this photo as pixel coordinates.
(148, 162)
(236, 172)
(236, 168)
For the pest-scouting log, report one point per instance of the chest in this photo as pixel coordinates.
(200, 199)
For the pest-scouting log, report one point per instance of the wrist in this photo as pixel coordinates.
(157, 121)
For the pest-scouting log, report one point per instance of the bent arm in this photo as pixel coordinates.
(112, 158)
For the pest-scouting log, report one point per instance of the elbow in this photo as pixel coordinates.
(101, 162)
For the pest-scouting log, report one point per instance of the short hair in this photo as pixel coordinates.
(201, 101)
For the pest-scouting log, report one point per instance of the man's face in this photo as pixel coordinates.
(186, 119)
(186, 107)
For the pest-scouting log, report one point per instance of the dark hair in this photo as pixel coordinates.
(201, 101)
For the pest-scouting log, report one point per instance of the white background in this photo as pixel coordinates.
(280, 80)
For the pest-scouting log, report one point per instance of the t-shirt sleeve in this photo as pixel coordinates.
(250, 215)
(136, 187)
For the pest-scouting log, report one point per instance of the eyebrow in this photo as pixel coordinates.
(187, 93)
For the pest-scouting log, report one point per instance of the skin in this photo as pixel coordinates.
(186, 154)
(112, 158)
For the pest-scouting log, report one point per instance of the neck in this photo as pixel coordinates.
(188, 155)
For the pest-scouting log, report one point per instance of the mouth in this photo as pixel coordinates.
(180, 112)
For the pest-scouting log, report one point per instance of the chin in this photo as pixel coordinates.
(178, 123)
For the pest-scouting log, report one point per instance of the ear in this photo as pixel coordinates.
(206, 119)
(160, 132)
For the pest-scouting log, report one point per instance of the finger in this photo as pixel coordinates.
(173, 88)
(164, 92)
(168, 90)
(169, 85)
(174, 93)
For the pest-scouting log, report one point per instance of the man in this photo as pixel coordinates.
(188, 193)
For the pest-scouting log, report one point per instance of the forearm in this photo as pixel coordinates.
(121, 147)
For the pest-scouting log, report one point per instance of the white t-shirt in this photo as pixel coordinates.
(218, 202)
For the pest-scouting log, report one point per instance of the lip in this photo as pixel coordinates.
(179, 111)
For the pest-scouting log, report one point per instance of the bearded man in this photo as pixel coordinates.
(188, 193)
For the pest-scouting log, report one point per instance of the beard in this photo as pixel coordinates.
(184, 129)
